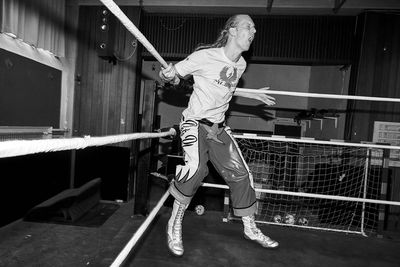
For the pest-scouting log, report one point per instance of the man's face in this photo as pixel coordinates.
(245, 30)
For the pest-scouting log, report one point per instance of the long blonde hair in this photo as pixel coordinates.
(223, 35)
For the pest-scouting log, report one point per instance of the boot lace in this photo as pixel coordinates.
(255, 230)
(177, 227)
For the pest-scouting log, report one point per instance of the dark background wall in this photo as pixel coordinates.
(376, 72)
(30, 92)
(280, 39)
(27, 181)
(30, 95)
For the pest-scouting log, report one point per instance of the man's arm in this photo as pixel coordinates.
(190, 65)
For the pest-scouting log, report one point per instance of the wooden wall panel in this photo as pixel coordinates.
(106, 100)
(106, 95)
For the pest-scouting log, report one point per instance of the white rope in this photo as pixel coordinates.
(113, 7)
(24, 147)
(315, 95)
(313, 141)
(139, 232)
(298, 194)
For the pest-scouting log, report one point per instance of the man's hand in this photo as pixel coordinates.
(267, 99)
(168, 75)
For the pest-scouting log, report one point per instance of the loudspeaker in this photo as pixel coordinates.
(105, 33)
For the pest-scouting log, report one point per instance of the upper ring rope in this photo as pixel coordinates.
(24, 147)
(315, 95)
(113, 7)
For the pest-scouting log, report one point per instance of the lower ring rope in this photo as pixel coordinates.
(24, 147)
(298, 194)
(140, 231)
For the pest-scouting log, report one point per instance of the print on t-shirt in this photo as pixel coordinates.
(228, 77)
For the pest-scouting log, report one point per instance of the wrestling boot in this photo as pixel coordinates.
(252, 232)
(174, 229)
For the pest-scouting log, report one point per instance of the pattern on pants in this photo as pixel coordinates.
(189, 137)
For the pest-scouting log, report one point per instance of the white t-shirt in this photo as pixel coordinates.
(215, 79)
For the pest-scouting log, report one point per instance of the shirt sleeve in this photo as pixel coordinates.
(191, 64)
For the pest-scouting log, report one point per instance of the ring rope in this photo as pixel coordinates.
(307, 140)
(301, 194)
(298, 194)
(316, 95)
(14, 148)
(139, 232)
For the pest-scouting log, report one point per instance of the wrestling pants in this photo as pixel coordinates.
(225, 155)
